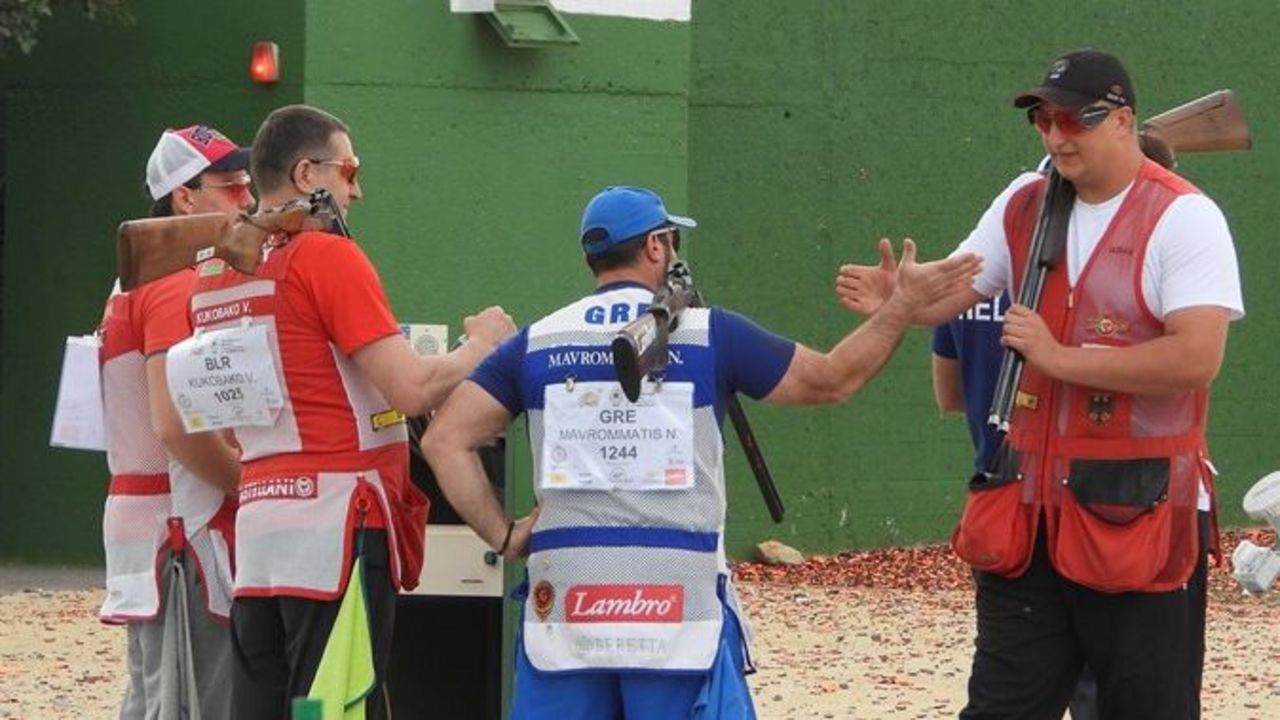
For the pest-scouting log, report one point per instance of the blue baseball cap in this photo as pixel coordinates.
(618, 214)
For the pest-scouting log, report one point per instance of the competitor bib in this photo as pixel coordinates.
(224, 378)
(596, 440)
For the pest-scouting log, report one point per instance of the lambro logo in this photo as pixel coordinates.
(624, 603)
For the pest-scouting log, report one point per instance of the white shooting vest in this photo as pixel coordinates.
(624, 573)
(147, 489)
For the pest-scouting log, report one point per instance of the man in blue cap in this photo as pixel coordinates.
(630, 611)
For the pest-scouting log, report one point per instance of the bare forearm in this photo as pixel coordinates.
(1161, 366)
(863, 353)
(462, 478)
(441, 374)
(948, 388)
(209, 457)
(947, 308)
(412, 384)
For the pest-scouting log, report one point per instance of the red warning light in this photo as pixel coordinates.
(264, 67)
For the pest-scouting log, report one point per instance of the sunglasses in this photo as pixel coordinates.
(236, 186)
(668, 234)
(1069, 122)
(348, 168)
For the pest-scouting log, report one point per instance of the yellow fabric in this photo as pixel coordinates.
(345, 675)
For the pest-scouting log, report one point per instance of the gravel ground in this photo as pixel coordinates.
(885, 634)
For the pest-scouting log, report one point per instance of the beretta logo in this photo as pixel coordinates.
(624, 603)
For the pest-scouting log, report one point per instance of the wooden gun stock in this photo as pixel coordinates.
(149, 249)
(1212, 123)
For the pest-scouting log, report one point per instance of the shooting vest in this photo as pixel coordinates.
(142, 518)
(1116, 475)
(627, 568)
(336, 457)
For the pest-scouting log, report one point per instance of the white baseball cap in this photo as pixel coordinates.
(181, 155)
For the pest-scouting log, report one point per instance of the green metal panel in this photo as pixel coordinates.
(817, 127)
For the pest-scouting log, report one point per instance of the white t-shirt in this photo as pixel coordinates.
(1190, 260)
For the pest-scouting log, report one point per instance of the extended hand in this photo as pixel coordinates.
(920, 285)
(1026, 332)
(862, 289)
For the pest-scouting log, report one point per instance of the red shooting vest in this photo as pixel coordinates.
(1115, 475)
(336, 457)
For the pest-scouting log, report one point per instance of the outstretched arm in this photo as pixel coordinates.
(815, 378)
(863, 289)
(416, 385)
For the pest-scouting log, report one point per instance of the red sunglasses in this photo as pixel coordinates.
(348, 168)
(1069, 122)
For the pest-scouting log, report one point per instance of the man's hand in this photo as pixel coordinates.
(920, 285)
(862, 289)
(1025, 331)
(518, 547)
(490, 326)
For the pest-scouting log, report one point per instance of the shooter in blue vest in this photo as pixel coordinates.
(629, 611)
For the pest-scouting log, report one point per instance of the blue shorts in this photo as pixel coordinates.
(719, 694)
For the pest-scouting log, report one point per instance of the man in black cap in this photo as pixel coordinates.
(1090, 543)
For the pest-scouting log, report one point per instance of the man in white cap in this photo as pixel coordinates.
(169, 517)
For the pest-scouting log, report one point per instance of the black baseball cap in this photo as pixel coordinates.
(1079, 78)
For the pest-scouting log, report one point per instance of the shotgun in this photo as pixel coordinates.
(1213, 123)
(640, 348)
(149, 249)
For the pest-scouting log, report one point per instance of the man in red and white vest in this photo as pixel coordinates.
(172, 495)
(327, 477)
(1091, 545)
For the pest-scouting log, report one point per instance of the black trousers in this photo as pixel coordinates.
(1037, 631)
(277, 641)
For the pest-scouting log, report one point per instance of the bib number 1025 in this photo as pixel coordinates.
(229, 395)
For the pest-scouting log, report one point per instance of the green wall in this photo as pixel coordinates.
(817, 127)
(797, 133)
(81, 116)
(477, 158)
(476, 161)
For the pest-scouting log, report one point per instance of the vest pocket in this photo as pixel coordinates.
(1119, 491)
(1114, 523)
(996, 532)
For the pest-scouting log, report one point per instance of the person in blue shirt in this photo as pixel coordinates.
(629, 610)
(966, 363)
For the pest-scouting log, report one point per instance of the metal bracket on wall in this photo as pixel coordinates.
(530, 24)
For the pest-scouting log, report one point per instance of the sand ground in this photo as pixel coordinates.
(822, 651)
